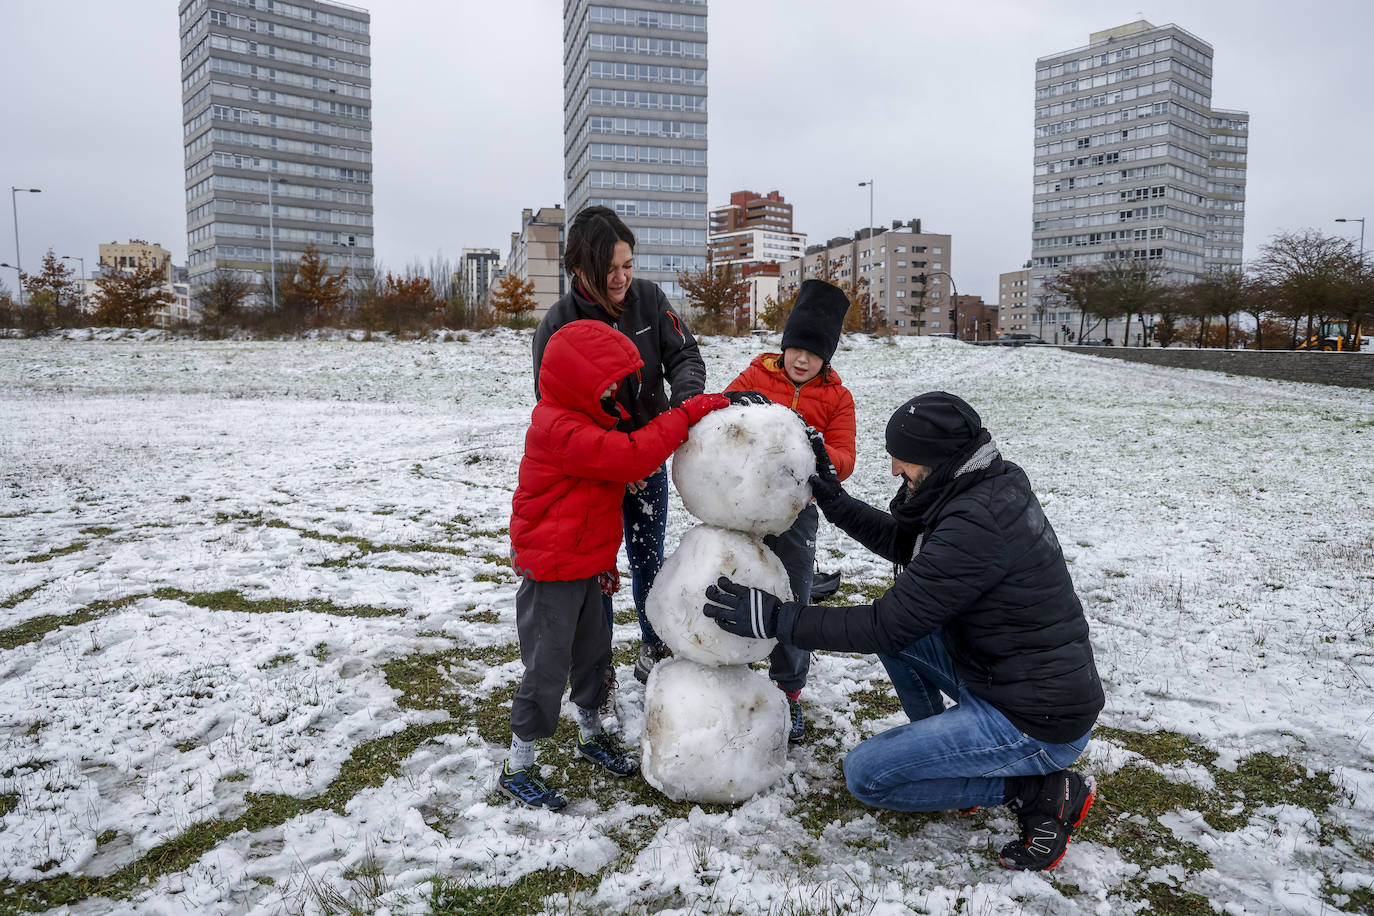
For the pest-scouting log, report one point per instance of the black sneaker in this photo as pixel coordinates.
(650, 654)
(606, 751)
(796, 730)
(528, 789)
(1047, 821)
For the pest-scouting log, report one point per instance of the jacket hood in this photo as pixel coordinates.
(583, 358)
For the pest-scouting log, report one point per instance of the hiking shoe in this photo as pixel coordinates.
(606, 751)
(796, 722)
(528, 789)
(650, 654)
(608, 707)
(1047, 821)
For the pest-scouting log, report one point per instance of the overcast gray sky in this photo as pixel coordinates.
(934, 101)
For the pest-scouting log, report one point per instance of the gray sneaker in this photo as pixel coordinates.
(608, 707)
(650, 654)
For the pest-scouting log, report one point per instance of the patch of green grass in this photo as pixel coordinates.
(106, 837)
(73, 547)
(1360, 900)
(18, 597)
(484, 616)
(1137, 794)
(1161, 747)
(97, 531)
(468, 897)
(35, 628)
(8, 802)
(277, 661)
(875, 703)
(231, 600)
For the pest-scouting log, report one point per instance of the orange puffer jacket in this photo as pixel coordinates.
(824, 403)
(565, 517)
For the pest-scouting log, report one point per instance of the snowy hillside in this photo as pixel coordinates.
(257, 645)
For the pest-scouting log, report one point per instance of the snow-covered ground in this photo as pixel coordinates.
(257, 630)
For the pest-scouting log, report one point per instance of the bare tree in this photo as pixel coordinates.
(221, 299)
(720, 294)
(1315, 277)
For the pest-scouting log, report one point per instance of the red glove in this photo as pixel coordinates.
(610, 582)
(699, 405)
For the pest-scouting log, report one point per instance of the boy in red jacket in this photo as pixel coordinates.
(565, 532)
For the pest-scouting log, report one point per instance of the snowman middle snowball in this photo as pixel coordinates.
(704, 554)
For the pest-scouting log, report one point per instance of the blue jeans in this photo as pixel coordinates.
(646, 525)
(945, 758)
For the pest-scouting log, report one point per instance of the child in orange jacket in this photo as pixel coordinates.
(802, 378)
(565, 532)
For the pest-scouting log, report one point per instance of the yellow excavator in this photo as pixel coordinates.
(1334, 335)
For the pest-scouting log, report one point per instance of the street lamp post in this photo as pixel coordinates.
(18, 260)
(1360, 220)
(68, 257)
(77, 257)
(271, 245)
(869, 184)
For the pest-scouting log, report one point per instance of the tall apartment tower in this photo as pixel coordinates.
(1132, 161)
(276, 103)
(634, 125)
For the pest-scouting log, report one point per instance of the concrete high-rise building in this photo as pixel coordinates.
(276, 103)
(754, 229)
(536, 255)
(907, 272)
(475, 269)
(634, 125)
(1132, 161)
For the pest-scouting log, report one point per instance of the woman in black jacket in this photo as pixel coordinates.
(983, 611)
(599, 259)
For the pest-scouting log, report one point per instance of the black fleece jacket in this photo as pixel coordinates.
(665, 344)
(990, 578)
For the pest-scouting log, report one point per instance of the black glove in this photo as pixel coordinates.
(742, 610)
(747, 398)
(825, 484)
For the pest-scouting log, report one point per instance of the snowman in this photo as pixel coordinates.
(715, 730)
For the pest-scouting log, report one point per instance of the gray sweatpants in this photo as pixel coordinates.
(563, 633)
(796, 547)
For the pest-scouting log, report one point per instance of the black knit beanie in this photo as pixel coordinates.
(816, 319)
(930, 427)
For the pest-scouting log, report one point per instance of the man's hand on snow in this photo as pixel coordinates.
(742, 610)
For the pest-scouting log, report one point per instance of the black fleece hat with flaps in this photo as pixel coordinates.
(930, 427)
(817, 319)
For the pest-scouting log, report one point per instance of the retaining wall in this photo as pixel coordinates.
(1351, 370)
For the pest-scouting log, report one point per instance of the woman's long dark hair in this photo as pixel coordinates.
(588, 251)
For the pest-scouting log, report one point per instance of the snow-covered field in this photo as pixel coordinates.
(257, 644)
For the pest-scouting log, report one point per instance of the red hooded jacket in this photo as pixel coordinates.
(566, 519)
(824, 403)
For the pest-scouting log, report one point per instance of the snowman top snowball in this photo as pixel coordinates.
(746, 468)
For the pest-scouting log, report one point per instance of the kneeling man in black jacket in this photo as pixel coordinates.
(983, 611)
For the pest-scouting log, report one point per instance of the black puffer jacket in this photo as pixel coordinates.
(989, 575)
(665, 344)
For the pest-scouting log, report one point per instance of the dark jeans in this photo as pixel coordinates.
(945, 758)
(562, 634)
(796, 547)
(646, 525)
